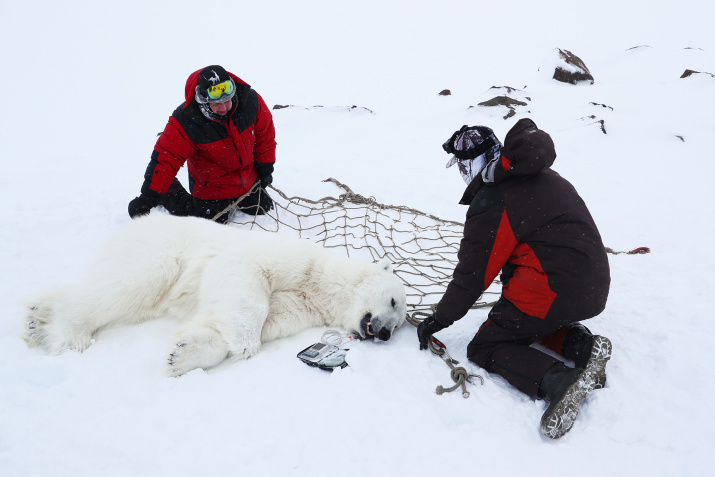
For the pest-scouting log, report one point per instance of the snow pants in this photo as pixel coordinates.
(503, 345)
(179, 202)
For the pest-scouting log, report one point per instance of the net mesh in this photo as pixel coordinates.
(421, 247)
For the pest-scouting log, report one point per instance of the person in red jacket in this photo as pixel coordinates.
(530, 224)
(224, 133)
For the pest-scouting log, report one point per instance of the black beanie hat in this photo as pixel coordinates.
(211, 76)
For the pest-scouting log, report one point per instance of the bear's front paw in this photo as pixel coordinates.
(179, 362)
(195, 349)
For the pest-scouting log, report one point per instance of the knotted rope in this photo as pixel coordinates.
(459, 375)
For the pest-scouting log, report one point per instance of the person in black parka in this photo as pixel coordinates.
(530, 224)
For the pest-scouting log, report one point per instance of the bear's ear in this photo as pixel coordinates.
(385, 264)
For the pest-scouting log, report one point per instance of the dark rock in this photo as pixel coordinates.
(509, 103)
(600, 122)
(360, 108)
(602, 105)
(508, 89)
(573, 77)
(603, 125)
(687, 73)
(318, 106)
(502, 101)
(445, 92)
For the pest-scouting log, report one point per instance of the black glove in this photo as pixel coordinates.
(265, 180)
(427, 328)
(265, 171)
(142, 205)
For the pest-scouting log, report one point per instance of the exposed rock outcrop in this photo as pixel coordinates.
(571, 69)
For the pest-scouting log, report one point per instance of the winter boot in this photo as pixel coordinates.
(588, 351)
(565, 388)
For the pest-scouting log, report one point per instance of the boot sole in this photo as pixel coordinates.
(559, 418)
(600, 354)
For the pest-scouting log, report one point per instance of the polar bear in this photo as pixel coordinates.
(234, 288)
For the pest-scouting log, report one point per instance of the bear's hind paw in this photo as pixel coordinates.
(34, 334)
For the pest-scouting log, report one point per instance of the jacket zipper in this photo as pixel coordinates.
(235, 147)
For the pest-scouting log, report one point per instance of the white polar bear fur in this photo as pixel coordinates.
(234, 288)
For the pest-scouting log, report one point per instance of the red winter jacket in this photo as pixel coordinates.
(530, 224)
(221, 155)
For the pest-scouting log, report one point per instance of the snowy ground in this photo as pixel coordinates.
(87, 86)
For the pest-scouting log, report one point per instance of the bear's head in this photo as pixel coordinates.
(380, 303)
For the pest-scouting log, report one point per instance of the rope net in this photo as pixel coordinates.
(421, 247)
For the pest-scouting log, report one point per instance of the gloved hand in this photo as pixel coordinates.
(265, 180)
(265, 171)
(141, 205)
(427, 328)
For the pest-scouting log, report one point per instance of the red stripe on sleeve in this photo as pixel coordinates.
(504, 244)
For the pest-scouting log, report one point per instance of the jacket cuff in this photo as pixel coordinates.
(264, 168)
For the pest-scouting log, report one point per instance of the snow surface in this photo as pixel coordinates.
(110, 75)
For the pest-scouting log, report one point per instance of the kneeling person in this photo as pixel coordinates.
(528, 222)
(224, 132)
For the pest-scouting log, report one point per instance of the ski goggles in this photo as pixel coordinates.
(222, 89)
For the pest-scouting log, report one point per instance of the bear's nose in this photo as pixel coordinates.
(384, 334)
